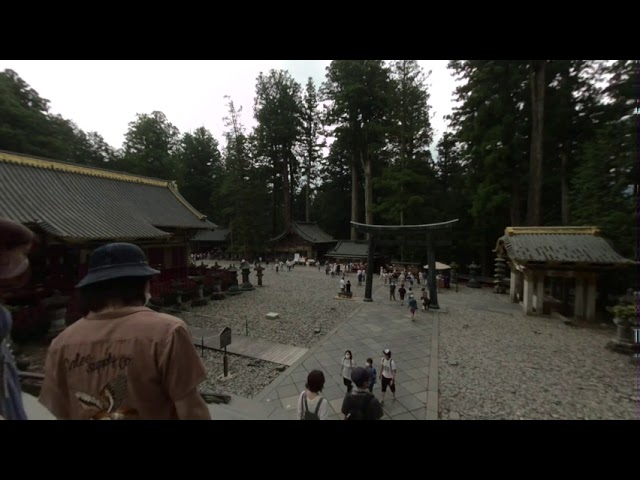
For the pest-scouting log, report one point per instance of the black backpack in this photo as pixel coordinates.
(359, 410)
(307, 415)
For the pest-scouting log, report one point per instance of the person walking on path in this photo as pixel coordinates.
(373, 373)
(15, 243)
(392, 291)
(347, 368)
(402, 292)
(425, 300)
(311, 404)
(413, 306)
(388, 374)
(122, 360)
(361, 404)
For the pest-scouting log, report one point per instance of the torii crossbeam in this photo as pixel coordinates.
(375, 231)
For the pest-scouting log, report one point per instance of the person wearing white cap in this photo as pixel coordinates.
(388, 374)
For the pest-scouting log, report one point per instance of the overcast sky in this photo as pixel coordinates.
(105, 95)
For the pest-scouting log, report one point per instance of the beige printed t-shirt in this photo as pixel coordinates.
(129, 363)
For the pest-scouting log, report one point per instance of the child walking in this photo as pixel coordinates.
(373, 373)
(413, 306)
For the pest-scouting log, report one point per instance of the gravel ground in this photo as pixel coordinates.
(304, 299)
(499, 364)
(247, 376)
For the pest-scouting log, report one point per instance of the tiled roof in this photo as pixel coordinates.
(349, 249)
(84, 203)
(217, 235)
(566, 245)
(312, 232)
(309, 231)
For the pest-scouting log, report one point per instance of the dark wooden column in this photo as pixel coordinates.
(433, 282)
(368, 288)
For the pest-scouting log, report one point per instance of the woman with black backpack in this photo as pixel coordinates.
(311, 404)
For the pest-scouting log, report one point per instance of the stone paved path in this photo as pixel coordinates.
(371, 328)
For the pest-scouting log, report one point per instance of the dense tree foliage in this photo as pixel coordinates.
(544, 142)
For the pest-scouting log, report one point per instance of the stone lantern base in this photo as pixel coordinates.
(625, 341)
(233, 290)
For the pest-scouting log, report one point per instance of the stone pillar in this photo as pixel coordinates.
(590, 300)
(539, 305)
(578, 308)
(513, 287)
(527, 301)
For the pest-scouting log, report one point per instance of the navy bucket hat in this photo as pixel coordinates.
(116, 260)
(359, 375)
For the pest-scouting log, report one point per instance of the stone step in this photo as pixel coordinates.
(238, 408)
(249, 346)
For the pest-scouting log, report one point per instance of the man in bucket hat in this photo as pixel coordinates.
(360, 404)
(122, 360)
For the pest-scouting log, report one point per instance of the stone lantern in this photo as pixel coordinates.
(233, 289)
(178, 286)
(217, 286)
(626, 320)
(473, 272)
(454, 274)
(200, 300)
(499, 275)
(246, 284)
(56, 308)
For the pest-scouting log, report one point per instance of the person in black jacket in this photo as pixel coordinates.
(361, 404)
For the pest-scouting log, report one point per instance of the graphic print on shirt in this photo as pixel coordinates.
(108, 403)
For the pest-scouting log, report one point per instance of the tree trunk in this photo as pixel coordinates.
(292, 186)
(535, 165)
(368, 180)
(307, 205)
(274, 206)
(368, 191)
(564, 193)
(484, 257)
(515, 204)
(354, 196)
(285, 192)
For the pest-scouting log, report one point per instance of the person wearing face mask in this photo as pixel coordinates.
(122, 360)
(15, 244)
(347, 367)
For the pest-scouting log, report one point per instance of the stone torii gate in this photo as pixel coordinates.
(375, 232)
